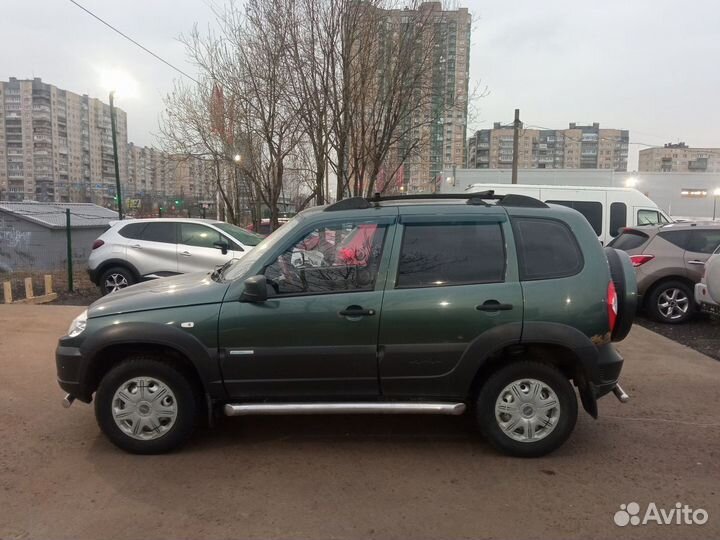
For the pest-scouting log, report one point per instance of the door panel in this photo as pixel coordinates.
(701, 244)
(202, 259)
(449, 282)
(155, 251)
(316, 334)
(300, 345)
(196, 251)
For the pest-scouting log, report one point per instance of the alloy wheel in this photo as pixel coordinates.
(115, 282)
(673, 303)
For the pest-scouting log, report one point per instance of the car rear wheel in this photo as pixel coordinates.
(527, 409)
(671, 302)
(146, 406)
(115, 278)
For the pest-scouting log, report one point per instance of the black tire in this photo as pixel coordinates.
(517, 371)
(186, 401)
(115, 274)
(657, 291)
(619, 262)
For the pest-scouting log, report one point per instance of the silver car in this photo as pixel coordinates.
(139, 249)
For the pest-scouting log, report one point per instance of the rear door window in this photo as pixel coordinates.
(678, 238)
(546, 249)
(160, 232)
(441, 254)
(592, 210)
(703, 240)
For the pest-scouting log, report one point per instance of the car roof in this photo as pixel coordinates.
(169, 219)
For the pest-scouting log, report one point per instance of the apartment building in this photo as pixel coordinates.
(156, 176)
(679, 158)
(442, 137)
(56, 145)
(578, 147)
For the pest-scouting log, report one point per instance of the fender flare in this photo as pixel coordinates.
(480, 350)
(204, 360)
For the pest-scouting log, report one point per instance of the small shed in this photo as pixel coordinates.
(33, 235)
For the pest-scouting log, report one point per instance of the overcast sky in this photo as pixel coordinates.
(650, 66)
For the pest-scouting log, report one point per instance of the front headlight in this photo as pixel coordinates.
(78, 325)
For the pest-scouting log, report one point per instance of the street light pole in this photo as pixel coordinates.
(115, 155)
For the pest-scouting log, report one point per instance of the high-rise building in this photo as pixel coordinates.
(56, 145)
(444, 116)
(679, 158)
(578, 147)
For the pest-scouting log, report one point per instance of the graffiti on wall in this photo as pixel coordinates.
(15, 247)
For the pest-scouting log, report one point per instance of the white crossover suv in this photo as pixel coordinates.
(134, 250)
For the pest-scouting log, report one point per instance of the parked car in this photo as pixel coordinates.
(707, 292)
(669, 260)
(136, 250)
(607, 209)
(415, 304)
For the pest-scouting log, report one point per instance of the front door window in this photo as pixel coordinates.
(329, 259)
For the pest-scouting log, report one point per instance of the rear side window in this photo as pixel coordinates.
(679, 238)
(704, 241)
(592, 210)
(629, 239)
(438, 254)
(132, 230)
(618, 217)
(160, 232)
(546, 249)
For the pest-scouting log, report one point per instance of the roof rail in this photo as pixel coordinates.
(352, 203)
(479, 197)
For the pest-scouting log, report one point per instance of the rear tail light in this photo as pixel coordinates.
(639, 260)
(97, 243)
(612, 305)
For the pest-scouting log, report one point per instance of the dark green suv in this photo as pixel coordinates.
(408, 305)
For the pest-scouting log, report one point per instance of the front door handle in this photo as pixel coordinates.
(493, 305)
(697, 262)
(186, 253)
(136, 246)
(356, 311)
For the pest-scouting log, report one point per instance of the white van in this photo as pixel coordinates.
(607, 209)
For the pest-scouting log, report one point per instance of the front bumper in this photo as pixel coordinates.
(71, 372)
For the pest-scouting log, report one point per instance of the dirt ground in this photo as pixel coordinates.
(355, 477)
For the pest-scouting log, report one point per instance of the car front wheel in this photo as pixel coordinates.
(146, 406)
(527, 409)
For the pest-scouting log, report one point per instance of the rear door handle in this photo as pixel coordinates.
(136, 246)
(697, 262)
(493, 305)
(186, 253)
(354, 311)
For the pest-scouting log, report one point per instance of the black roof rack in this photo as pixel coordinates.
(361, 203)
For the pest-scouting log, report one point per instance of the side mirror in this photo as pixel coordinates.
(255, 289)
(222, 246)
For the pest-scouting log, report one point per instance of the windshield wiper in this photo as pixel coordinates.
(219, 270)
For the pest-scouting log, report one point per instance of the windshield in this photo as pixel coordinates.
(240, 268)
(245, 237)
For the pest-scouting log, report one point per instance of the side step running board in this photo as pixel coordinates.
(344, 408)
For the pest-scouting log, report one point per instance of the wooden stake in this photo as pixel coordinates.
(48, 284)
(28, 288)
(7, 289)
